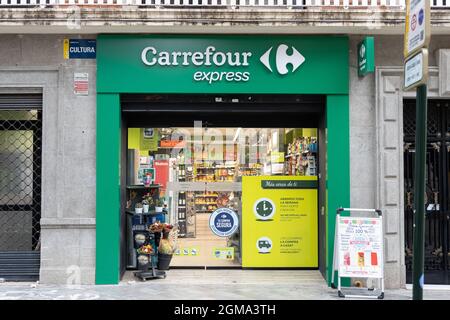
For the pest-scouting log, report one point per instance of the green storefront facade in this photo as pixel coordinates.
(215, 64)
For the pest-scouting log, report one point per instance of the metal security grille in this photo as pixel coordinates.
(437, 214)
(20, 191)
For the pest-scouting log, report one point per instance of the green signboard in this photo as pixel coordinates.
(222, 64)
(366, 56)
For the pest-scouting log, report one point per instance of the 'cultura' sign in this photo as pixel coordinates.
(79, 48)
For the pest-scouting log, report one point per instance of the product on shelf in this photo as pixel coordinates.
(301, 159)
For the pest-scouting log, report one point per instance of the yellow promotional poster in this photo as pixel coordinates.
(279, 221)
(149, 139)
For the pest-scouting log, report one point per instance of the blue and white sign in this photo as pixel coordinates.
(80, 49)
(224, 222)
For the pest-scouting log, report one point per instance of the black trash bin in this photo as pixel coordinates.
(164, 261)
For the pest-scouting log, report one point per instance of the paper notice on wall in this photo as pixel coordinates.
(81, 84)
(360, 247)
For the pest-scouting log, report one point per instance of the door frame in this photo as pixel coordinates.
(439, 142)
(109, 145)
(309, 113)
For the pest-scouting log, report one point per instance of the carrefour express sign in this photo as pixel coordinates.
(223, 64)
(211, 57)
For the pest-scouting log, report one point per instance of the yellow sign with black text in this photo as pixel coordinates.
(279, 221)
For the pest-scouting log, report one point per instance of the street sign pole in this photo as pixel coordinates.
(419, 191)
(415, 51)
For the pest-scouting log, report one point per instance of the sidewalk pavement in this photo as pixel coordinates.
(203, 285)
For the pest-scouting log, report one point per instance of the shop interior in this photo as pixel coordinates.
(196, 151)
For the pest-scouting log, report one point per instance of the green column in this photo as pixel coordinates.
(108, 190)
(338, 167)
(419, 192)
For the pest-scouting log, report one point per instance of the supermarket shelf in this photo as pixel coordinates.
(174, 147)
(206, 196)
(218, 167)
(141, 186)
(150, 213)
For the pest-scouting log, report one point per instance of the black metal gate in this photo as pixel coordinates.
(437, 214)
(20, 187)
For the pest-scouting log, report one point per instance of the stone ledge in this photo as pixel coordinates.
(101, 19)
(68, 223)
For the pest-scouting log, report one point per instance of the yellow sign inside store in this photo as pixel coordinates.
(279, 221)
(149, 139)
(277, 157)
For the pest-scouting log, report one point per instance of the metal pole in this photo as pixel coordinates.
(419, 192)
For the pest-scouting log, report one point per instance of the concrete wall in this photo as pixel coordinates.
(376, 139)
(35, 63)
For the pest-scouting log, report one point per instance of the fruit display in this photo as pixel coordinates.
(140, 238)
(156, 227)
(160, 227)
(167, 227)
(147, 249)
(143, 260)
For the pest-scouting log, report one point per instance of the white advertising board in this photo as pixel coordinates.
(360, 245)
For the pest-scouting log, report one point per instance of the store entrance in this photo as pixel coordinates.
(198, 150)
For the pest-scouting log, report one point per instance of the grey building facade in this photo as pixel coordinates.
(34, 64)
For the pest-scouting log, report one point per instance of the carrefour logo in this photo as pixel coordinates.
(210, 62)
(362, 51)
(283, 59)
